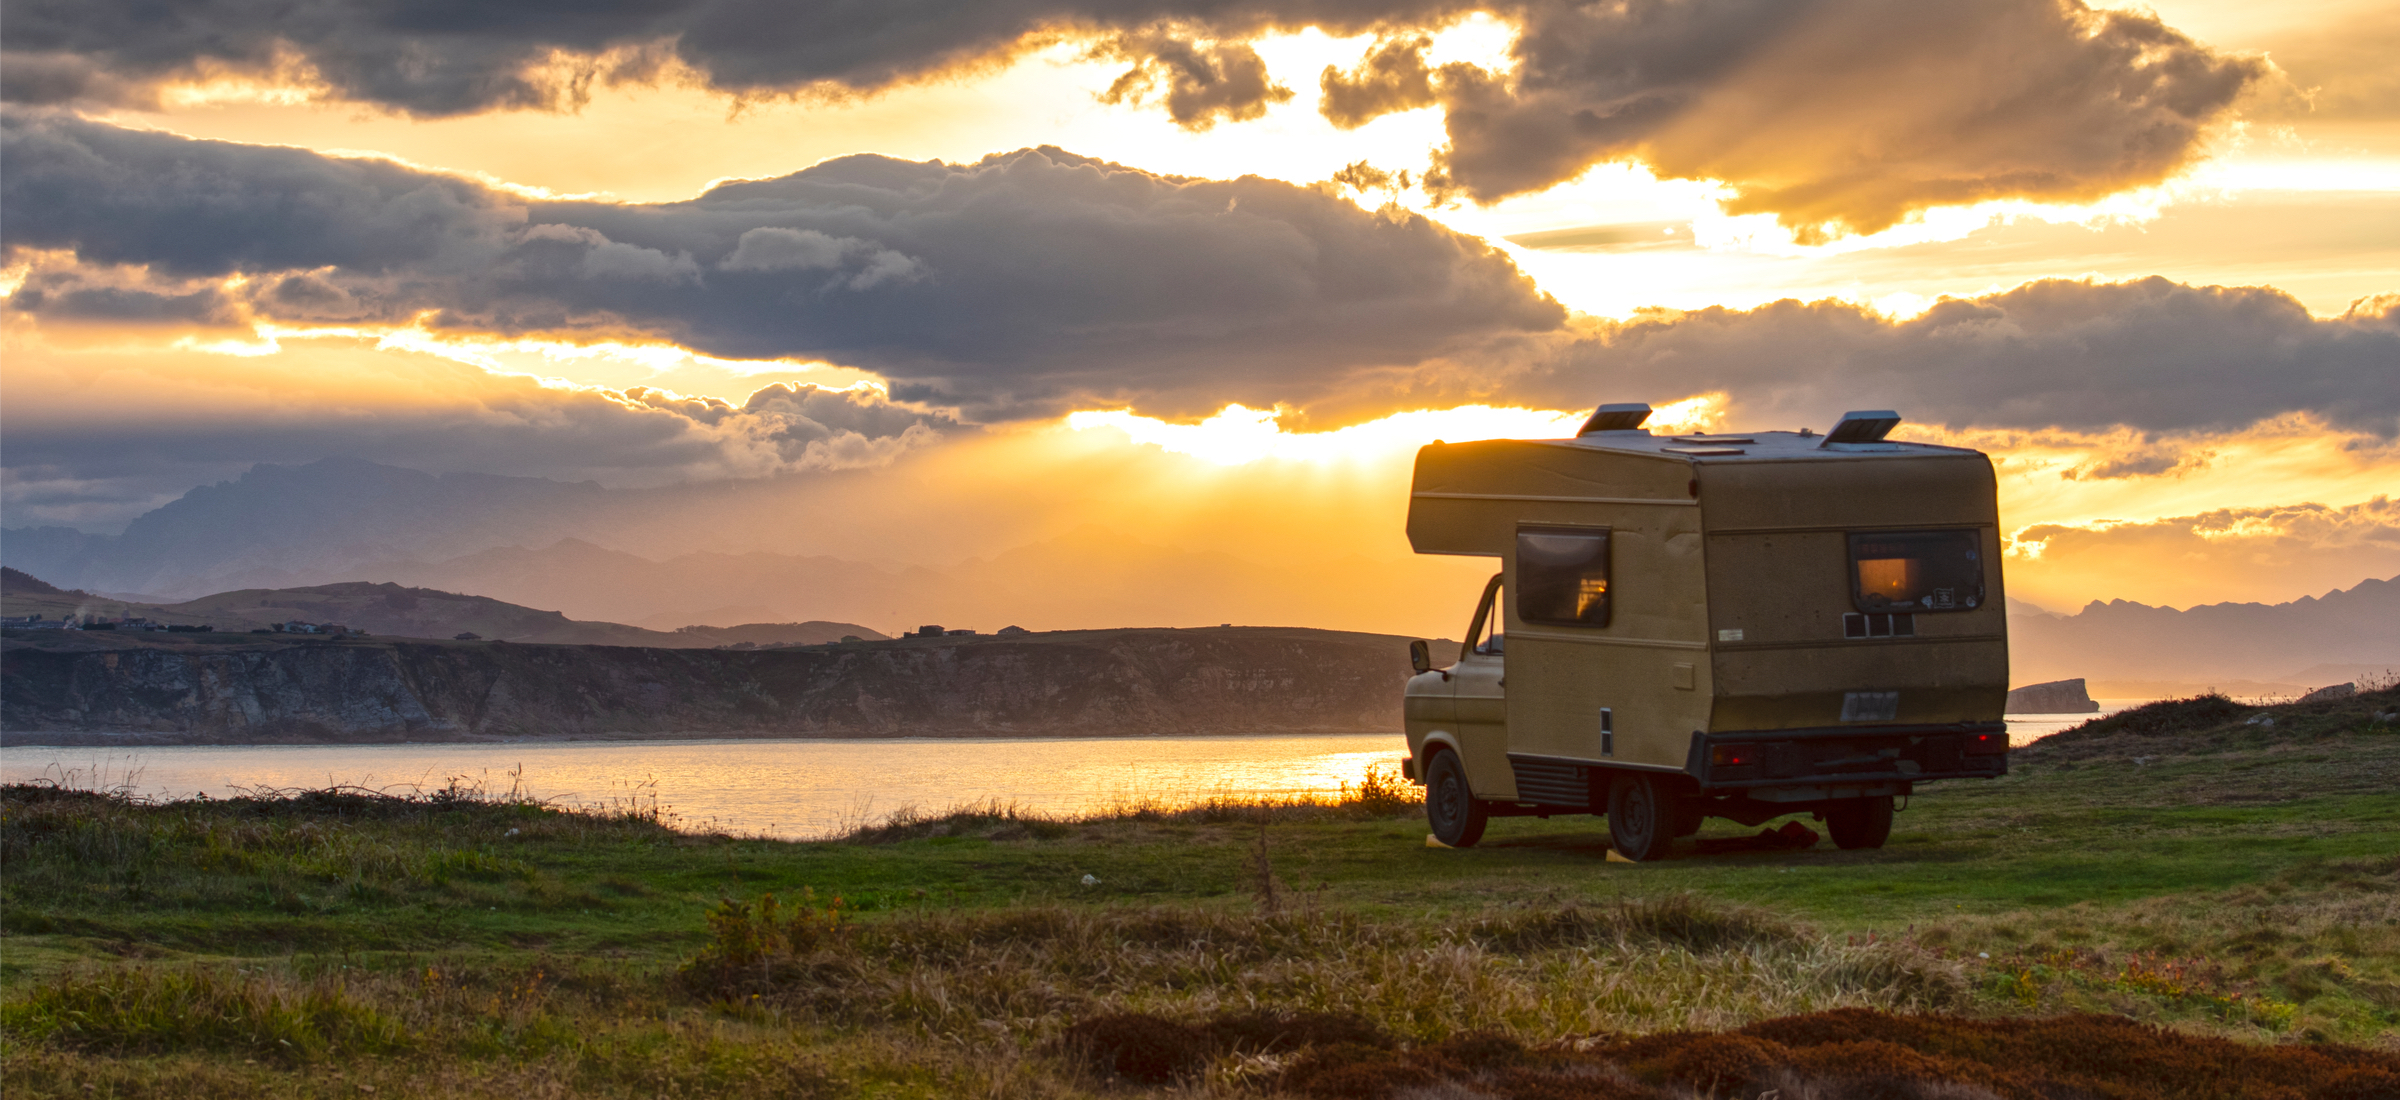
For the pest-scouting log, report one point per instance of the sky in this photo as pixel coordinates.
(1205, 274)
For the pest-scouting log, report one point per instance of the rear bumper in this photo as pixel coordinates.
(1846, 756)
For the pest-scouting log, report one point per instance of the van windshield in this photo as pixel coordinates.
(1893, 571)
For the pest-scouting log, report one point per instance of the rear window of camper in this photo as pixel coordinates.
(1562, 575)
(1917, 570)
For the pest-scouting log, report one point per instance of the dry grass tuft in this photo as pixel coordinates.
(1030, 972)
(1380, 793)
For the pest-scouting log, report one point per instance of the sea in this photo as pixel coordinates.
(783, 788)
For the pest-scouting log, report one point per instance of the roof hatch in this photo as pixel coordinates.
(1623, 417)
(1861, 426)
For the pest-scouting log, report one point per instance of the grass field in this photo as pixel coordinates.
(2176, 865)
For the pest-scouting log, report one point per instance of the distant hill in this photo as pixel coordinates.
(391, 609)
(1086, 576)
(2218, 645)
(15, 582)
(64, 688)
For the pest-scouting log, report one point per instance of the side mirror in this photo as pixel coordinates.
(1420, 657)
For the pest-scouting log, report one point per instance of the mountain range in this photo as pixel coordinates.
(660, 560)
(663, 559)
(2131, 649)
(393, 610)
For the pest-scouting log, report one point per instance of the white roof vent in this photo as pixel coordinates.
(1861, 426)
(1626, 417)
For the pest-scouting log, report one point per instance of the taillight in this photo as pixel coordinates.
(1986, 744)
(1733, 756)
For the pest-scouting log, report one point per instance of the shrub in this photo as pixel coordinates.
(138, 1009)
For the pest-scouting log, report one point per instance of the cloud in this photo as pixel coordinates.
(771, 248)
(1016, 286)
(68, 300)
(2151, 354)
(1837, 116)
(1200, 83)
(1394, 77)
(2334, 62)
(2272, 552)
(95, 435)
(2157, 460)
(434, 60)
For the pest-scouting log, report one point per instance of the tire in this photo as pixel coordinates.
(1688, 817)
(1859, 822)
(1457, 816)
(1641, 823)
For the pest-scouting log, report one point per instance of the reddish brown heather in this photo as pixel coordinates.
(1850, 1053)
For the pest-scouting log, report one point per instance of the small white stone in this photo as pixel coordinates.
(1091, 880)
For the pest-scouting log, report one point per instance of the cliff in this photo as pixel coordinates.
(194, 689)
(2055, 697)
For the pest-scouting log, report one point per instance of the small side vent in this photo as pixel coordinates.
(1624, 417)
(1902, 625)
(1552, 783)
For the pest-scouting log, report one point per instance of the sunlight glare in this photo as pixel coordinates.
(1239, 435)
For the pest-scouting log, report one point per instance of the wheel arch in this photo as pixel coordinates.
(1436, 741)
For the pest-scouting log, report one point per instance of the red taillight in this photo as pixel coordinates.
(1733, 756)
(1986, 744)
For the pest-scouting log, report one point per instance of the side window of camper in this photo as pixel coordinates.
(1562, 575)
(1917, 570)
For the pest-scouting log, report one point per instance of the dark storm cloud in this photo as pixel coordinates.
(2152, 355)
(1393, 77)
(1840, 115)
(124, 306)
(1012, 286)
(205, 208)
(445, 58)
(1199, 84)
(1835, 115)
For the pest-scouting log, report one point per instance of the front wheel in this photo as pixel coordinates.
(1860, 822)
(1640, 822)
(1457, 816)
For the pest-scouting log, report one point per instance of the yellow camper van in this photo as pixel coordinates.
(1686, 626)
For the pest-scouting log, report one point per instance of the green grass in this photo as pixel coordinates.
(2180, 866)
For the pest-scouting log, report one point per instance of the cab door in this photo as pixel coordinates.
(1479, 684)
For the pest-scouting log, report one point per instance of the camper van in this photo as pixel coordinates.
(1724, 625)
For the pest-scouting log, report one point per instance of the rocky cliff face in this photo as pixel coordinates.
(83, 689)
(2055, 697)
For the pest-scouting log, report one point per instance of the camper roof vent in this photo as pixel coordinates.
(1624, 417)
(1862, 426)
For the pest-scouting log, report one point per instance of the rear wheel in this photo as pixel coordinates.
(1458, 817)
(1640, 820)
(1689, 816)
(1860, 822)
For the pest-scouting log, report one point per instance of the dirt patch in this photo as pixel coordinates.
(1842, 1053)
